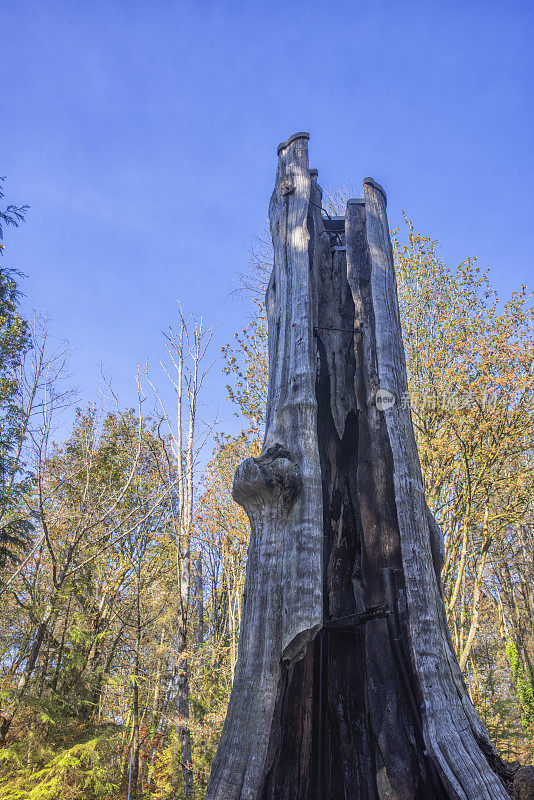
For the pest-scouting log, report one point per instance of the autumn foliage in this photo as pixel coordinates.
(121, 607)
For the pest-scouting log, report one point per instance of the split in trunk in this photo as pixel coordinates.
(346, 684)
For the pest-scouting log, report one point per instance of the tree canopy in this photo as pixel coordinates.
(123, 555)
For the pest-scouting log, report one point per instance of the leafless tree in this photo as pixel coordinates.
(183, 434)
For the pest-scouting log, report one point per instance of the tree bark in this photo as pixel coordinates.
(346, 684)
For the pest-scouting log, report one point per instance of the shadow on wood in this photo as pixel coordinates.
(346, 684)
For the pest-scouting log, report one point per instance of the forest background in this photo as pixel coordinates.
(144, 139)
(123, 555)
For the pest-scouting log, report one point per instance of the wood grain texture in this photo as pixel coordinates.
(281, 493)
(376, 709)
(451, 729)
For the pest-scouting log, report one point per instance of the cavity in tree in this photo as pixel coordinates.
(346, 684)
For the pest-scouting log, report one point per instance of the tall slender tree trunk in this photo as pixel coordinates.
(182, 688)
(199, 601)
(157, 680)
(182, 708)
(126, 759)
(346, 684)
(9, 714)
(135, 741)
(135, 738)
(477, 593)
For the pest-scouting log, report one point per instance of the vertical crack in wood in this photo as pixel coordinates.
(451, 728)
(376, 709)
(281, 493)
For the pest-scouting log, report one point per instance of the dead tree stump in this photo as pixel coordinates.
(346, 684)
(524, 784)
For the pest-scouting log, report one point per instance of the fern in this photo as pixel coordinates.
(84, 771)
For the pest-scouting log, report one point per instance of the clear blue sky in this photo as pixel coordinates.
(144, 134)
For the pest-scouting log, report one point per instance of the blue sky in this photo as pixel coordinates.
(144, 135)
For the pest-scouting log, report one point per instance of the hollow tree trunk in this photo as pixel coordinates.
(346, 684)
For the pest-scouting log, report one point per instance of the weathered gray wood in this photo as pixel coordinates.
(375, 709)
(291, 403)
(450, 727)
(281, 492)
(399, 765)
(524, 784)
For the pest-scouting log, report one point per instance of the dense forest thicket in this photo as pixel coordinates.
(122, 561)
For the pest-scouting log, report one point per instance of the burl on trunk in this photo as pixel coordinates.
(346, 684)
